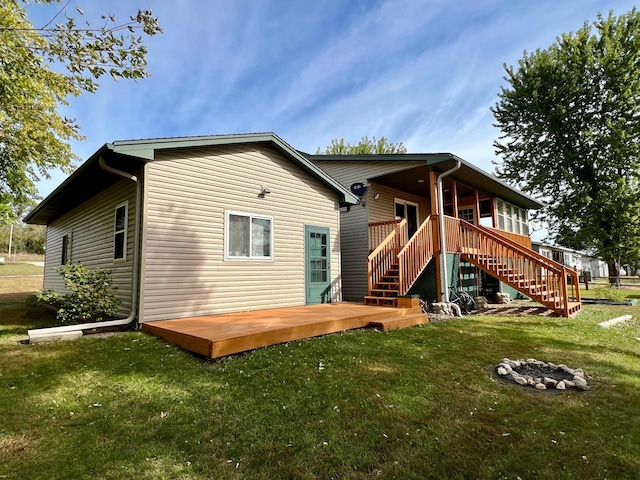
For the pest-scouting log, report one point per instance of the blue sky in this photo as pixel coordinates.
(421, 72)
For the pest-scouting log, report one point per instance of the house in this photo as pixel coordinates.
(484, 231)
(196, 226)
(200, 225)
(579, 261)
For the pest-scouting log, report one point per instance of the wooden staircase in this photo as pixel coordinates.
(532, 274)
(396, 264)
(385, 292)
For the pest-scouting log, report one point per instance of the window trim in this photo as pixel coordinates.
(125, 231)
(251, 216)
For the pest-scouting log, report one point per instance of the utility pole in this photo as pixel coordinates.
(10, 240)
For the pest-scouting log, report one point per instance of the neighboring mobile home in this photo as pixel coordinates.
(200, 225)
(579, 261)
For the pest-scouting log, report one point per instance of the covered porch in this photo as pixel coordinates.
(473, 225)
(469, 194)
(217, 336)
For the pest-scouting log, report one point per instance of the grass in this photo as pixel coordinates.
(11, 269)
(413, 403)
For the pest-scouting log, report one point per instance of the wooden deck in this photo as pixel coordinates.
(220, 335)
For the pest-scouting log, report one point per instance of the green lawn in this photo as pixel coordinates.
(11, 269)
(415, 403)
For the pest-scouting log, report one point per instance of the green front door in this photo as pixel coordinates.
(317, 263)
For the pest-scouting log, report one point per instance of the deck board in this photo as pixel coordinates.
(225, 334)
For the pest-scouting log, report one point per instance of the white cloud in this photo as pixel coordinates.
(424, 73)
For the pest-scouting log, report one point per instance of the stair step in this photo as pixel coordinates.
(383, 292)
(508, 272)
(574, 307)
(379, 285)
(381, 301)
(390, 278)
(394, 323)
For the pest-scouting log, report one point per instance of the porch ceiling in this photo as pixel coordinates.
(414, 180)
(468, 177)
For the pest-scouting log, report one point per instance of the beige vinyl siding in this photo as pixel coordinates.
(354, 224)
(187, 194)
(91, 228)
(382, 209)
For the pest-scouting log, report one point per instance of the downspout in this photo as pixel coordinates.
(443, 242)
(75, 331)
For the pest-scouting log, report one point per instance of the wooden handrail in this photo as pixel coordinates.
(451, 224)
(513, 264)
(378, 232)
(386, 254)
(517, 245)
(416, 254)
(522, 240)
(539, 277)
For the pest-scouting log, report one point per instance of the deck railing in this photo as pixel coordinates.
(548, 282)
(378, 231)
(522, 240)
(416, 254)
(385, 255)
(539, 277)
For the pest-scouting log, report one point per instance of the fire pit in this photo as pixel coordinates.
(542, 375)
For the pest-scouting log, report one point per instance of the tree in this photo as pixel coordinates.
(33, 136)
(363, 147)
(570, 121)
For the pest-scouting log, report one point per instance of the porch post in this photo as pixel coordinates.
(494, 213)
(454, 196)
(476, 207)
(433, 191)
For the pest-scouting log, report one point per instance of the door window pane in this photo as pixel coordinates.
(318, 257)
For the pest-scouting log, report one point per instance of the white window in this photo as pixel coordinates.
(512, 218)
(500, 208)
(467, 214)
(248, 236)
(120, 232)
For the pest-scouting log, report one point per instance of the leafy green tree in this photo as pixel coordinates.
(570, 122)
(33, 136)
(365, 146)
(24, 238)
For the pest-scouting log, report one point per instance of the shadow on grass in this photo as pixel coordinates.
(414, 403)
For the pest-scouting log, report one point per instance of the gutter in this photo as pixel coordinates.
(76, 331)
(443, 244)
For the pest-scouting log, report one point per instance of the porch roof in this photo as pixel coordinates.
(131, 155)
(468, 174)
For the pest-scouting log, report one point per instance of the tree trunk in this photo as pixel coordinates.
(614, 273)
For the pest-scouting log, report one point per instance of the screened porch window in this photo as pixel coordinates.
(249, 235)
(512, 218)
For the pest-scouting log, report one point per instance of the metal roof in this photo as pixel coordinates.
(468, 173)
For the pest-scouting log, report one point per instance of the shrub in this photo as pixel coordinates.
(92, 295)
(609, 292)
